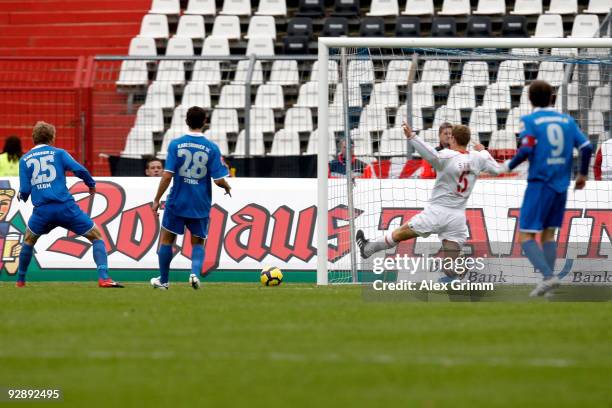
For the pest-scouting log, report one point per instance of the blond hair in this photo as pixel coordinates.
(461, 133)
(43, 133)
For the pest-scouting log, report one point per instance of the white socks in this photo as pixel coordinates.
(380, 244)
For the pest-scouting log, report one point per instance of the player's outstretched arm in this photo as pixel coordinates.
(222, 182)
(426, 151)
(164, 183)
(79, 171)
(488, 163)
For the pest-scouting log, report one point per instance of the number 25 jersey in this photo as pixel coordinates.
(194, 160)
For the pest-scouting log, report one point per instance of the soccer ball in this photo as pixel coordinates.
(271, 276)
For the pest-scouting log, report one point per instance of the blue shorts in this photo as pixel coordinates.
(66, 215)
(176, 224)
(542, 208)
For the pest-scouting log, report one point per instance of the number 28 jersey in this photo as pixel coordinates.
(194, 160)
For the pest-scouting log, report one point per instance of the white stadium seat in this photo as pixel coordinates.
(169, 136)
(269, 96)
(483, 119)
(308, 95)
(383, 8)
(232, 96)
(178, 118)
(332, 75)
(549, 26)
(497, 96)
(272, 8)
(585, 26)
(133, 73)
(430, 136)
(160, 95)
(419, 8)
(191, 26)
(171, 7)
(475, 73)
(595, 122)
(511, 73)
(593, 75)
(298, 119)
(262, 120)
(524, 101)
(242, 70)
(417, 117)
(201, 7)
(455, 8)
(601, 99)
(180, 47)
(196, 94)
(260, 46)
(360, 71)
(398, 72)
(446, 114)
(142, 46)
(487, 7)
(261, 26)
(513, 120)
(461, 96)
(138, 143)
(373, 118)
(151, 119)
(171, 70)
(154, 26)
(527, 7)
(599, 7)
(336, 119)
(220, 139)
(503, 143)
(362, 142)
(224, 120)
(236, 7)
(393, 143)
(354, 95)
(551, 72)
(214, 46)
(572, 97)
(422, 95)
(226, 27)
(207, 72)
(285, 143)
(385, 95)
(563, 7)
(313, 143)
(256, 144)
(285, 72)
(436, 73)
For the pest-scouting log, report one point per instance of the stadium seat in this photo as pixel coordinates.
(443, 27)
(332, 71)
(313, 143)
(407, 26)
(300, 26)
(191, 26)
(430, 136)
(298, 119)
(285, 72)
(207, 72)
(598, 7)
(585, 26)
(385, 95)
(151, 119)
(216, 46)
(272, 8)
(256, 144)
(178, 118)
(393, 143)
(354, 95)
(160, 95)
(455, 8)
(336, 119)
(446, 114)
(601, 99)
(525, 52)
(572, 97)
(262, 120)
(595, 122)
(513, 120)
(295, 45)
(227, 27)
(514, 27)
(270, 96)
(242, 70)
(527, 7)
(260, 46)
(179, 47)
(308, 95)
(201, 7)
(220, 139)
(236, 7)
(383, 8)
(286, 143)
(372, 27)
(224, 121)
(168, 7)
(362, 142)
(133, 73)
(563, 7)
(335, 27)
(564, 52)
(169, 136)
(401, 116)
(488, 7)
(171, 70)
(196, 94)
(418, 8)
(552, 72)
(139, 142)
(479, 27)
(483, 119)
(398, 72)
(593, 75)
(261, 26)
(311, 8)
(549, 26)
(422, 95)
(511, 73)
(436, 73)
(232, 96)
(497, 96)
(154, 26)
(461, 96)
(346, 8)
(142, 46)
(475, 73)
(503, 144)
(524, 102)
(361, 71)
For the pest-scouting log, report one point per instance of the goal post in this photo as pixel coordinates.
(380, 190)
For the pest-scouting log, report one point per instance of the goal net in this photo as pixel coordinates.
(372, 86)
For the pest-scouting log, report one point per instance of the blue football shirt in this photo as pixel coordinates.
(553, 136)
(42, 173)
(194, 160)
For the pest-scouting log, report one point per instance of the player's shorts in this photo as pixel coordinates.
(176, 224)
(66, 215)
(542, 208)
(447, 223)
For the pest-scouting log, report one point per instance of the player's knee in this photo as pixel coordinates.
(197, 240)
(30, 239)
(403, 233)
(166, 237)
(94, 234)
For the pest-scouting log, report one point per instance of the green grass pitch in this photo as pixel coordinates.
(245, 345)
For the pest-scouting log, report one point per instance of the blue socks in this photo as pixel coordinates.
(536, 257)
(550, 253)
(197, 259)
(165, 257)
(100, 258)
(24, 261)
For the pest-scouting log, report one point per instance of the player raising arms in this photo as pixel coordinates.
(547, 140)
(42, 174)
(191, 162)
(457, 170)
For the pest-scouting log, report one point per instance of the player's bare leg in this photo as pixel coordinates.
(538, 258)
(450, 249)
(166, 240)
(25, 257)
(197, 259)
(386, 241)
(101, 259)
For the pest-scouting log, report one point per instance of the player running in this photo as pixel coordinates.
(42, 175)
(457, 170)
(547, 140)
(191, 162)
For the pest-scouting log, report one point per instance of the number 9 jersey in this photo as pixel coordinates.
(194, 160)
(553, 137)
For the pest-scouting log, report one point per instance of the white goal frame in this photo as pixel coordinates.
(325, 43)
